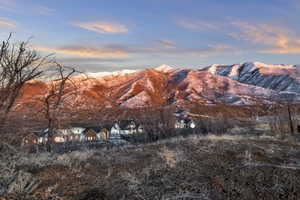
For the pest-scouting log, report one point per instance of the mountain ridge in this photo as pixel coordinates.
(239, 84)
(281, 78)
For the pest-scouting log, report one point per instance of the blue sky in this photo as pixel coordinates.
(101, 35)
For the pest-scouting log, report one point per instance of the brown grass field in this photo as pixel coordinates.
(196, 167)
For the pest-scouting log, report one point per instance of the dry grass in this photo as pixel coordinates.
(196, 167)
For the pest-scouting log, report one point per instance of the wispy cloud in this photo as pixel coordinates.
(44, 10)
(7, 23)
(278, 39)
(205, 51)
(103, 27)
(92, 64)
(84, 60)
(119, 51)
(178, 51)
(87, 51)
(194, 24)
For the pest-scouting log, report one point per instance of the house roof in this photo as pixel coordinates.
(90, 133)
(60, 130)
(97, 129)
(124, 124)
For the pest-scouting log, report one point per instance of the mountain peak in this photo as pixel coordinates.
(164, 68)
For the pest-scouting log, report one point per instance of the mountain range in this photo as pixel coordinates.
(238, 84)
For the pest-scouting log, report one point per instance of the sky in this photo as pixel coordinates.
(102, 35)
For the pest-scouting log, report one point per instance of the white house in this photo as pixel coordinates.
(68, 134)
(125, 127)
(128, 127)
(115, 131)
(185, 123)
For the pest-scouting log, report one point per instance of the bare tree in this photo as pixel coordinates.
(61, 92)
(18, 65)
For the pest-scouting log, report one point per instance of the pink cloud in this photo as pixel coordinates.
(86, 51)
(103, 27)
(7, 23)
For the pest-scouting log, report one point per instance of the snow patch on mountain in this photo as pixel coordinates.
(276, 77)
(139, 100)
(164, 68)
(213, 68)
(260, 64)
(114, 73)
(234, 72)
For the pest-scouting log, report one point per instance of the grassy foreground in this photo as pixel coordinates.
(179, 168)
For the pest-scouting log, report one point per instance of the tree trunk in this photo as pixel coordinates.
(290, 119)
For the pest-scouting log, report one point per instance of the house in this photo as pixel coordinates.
(128, 127)
(185, 123)
(90, 134)
(58, 138)
(36, 137)
(77, 131)
(61, 136)
(30, 139)
(72, 134)
(42, 137)
(125, 127)
(115, 131)
(179, 124)
(192, 124)
(104, 132)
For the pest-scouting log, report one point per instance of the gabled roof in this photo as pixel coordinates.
(97, 129)
(94, 128)
(90, 133)
(124, 124)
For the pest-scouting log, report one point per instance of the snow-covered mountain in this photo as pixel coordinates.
(245, 83)
(281, 78)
